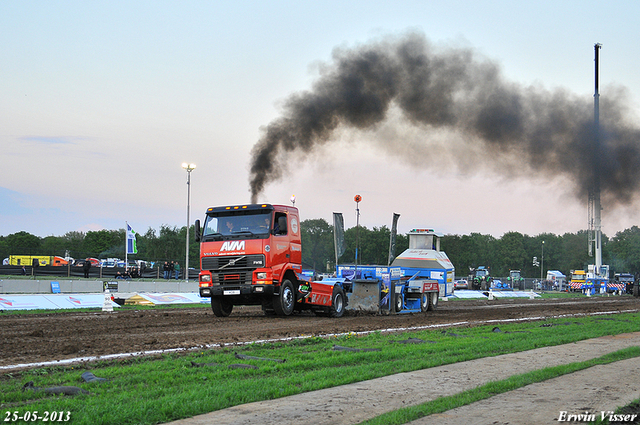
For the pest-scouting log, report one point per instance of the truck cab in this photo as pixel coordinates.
(597, 279)
(578, 279)
(250, 255)
(623, 282)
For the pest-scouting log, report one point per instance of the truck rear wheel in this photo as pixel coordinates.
(338, 302)
(433, 300)
(221, 307)
(424, 301)
(284, 303)
(397, 302)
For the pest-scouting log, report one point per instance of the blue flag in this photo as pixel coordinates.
(131, 241)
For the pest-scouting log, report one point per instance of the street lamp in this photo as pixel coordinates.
(189, 168)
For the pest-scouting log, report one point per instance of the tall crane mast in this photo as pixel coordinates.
(595, 208)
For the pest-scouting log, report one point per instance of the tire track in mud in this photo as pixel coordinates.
(71, 337)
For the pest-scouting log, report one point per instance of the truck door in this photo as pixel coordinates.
(280, 250)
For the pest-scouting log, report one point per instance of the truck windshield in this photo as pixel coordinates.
(237, 225)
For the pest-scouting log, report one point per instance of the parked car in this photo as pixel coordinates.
(461, 284)
(80, 263)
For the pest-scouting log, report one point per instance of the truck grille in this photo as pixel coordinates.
(233, 269)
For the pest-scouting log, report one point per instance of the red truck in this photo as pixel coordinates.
(252, 255)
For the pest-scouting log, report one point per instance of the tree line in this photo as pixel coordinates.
(166, 244)
(513, 250)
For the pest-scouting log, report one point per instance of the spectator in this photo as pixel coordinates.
(23, 272)
(165, 269)
(133, 272)
(34, 266)
(170, 269)
(176, 268)
(86, 267)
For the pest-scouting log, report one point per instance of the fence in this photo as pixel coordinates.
(90, 286)
(532, 283)
(94, 272)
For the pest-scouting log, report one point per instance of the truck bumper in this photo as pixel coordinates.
(237, 290)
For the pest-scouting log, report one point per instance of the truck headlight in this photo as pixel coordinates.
(205, 278)
(261, 275)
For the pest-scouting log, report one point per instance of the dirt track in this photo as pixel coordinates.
(56, 336)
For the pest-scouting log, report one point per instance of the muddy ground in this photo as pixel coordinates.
(52, 336)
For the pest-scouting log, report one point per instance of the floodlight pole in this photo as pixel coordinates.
(357, 198)
(189, 168)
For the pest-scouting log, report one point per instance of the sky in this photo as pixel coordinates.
(102, 101)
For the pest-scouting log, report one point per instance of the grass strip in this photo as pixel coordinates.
(443, 404)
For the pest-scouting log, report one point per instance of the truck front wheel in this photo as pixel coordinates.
(221, 307)
(284, 303)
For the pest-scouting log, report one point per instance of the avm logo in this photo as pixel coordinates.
(232, 246)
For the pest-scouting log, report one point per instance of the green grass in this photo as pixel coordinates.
(556, 294)
(161, 389)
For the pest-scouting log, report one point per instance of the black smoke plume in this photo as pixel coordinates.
(522, 129)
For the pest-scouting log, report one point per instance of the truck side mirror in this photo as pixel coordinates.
(197, 231)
